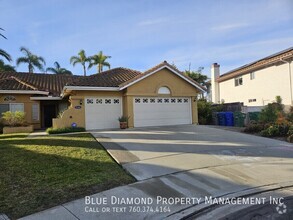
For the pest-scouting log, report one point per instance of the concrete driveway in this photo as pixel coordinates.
(180, 166)
(157, 151)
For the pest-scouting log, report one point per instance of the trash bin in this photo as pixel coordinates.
(229, 119)
(239, 119)
(253, 116)
(221, 118)
(215, 118)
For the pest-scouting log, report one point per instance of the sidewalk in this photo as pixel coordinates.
(149, 195)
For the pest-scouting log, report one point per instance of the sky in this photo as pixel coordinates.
(139, 34)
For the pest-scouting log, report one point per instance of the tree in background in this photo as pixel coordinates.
(3, 53)
(197, 76)
(6, 67)
(31, 59)
(82, 59)
(99, 60)
(58, 70)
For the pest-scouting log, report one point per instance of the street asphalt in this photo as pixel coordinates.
(182, 170)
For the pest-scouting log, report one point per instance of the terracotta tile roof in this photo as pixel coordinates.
(109, 78)
(12, 83)
(54, 83)
(51, 83)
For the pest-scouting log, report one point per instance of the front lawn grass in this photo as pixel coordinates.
(42, 172)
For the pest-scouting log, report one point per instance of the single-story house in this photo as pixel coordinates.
(257, 83)
(161, 95)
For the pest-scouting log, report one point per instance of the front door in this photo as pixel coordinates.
(49, 114)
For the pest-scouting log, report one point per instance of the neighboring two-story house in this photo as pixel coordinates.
(257, 83)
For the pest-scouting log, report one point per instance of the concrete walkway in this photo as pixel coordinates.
(178, 167)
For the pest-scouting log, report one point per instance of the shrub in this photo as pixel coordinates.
(14, 119)
(204, 111)
(254, 128)
(276, 130)
(272, 111)
(123, 118)
(289, 116)
(64, 130)
(268, 114)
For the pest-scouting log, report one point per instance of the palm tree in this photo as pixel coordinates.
(58, 69)
(31, 59)
(6, 67)
(82, 59)
(99, 60)
(3, 53)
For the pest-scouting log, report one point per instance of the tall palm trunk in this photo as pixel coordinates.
(84, 70)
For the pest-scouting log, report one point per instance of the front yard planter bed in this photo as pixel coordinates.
(22, 129)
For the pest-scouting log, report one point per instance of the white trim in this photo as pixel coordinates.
(24, 92)
(165, 66)
(90, 88)
(45, 98)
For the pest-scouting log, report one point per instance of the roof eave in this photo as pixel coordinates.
(157, 70)
(24, 92)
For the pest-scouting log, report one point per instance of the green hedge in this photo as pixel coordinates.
(64, 130)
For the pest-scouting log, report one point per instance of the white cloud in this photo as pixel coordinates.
(152, 22)
(228, 27)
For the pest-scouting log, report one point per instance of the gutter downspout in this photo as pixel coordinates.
(289, 78)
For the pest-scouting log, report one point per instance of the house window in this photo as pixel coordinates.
(164, 90)
(9, 98)
(16, 107)
(173, 100)
(238, 81)
(179, 100)
(35, 112)
(107, 101)
(116, 101)
(137, 100)
(13, 107)
(160, 100)
(152, 100)
(252, 75)
(3, 108)
(185, 100)
(145, 100)
(166, 100)
(251, 100)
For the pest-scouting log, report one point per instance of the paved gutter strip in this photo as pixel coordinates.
(188, 212)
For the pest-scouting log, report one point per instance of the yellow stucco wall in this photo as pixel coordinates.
(147, 87)
(24, 99)
(150, 86)
(76, 111)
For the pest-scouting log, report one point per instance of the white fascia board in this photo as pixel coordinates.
(90, 88)
(24, 92)
(45, 98)
(165, 66)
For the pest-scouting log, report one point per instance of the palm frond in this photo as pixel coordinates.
(25, 51)
(4, 54)
(21, 60)
(51, 69)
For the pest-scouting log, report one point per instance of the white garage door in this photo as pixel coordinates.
(149, 111)
(101, 113)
